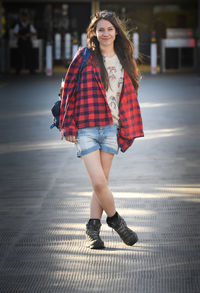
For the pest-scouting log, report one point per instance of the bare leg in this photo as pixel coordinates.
(98, 165)
(96, 209)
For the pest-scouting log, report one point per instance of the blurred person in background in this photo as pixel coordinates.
(24, 31)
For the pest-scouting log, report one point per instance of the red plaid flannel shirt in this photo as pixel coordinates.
(89, 108)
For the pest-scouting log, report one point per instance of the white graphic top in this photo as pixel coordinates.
(116, 77)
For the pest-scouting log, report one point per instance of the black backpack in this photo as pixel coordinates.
(56, 107)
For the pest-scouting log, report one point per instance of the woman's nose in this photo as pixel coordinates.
(105, 33)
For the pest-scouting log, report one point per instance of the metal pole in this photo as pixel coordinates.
(162, 56)
(136, 45)
(84, 40)
(153, 53)
(49, 63)
(67, 45)
(57, 46)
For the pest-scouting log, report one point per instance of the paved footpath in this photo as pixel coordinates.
(45, 194)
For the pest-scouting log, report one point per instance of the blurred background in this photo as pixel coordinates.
(58, 28)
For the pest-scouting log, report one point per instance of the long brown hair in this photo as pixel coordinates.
(123, 47)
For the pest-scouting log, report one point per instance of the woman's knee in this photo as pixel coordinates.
(99, 184)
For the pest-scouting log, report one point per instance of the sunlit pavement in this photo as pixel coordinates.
(45, 195)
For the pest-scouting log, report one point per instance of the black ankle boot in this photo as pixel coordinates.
(119, 225)
(93, 239)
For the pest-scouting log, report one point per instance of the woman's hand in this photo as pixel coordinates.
(70, 138)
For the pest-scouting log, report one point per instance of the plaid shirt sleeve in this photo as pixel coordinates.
(67, 123)
(130, 116)
(124, 144)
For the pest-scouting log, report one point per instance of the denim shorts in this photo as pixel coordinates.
(102, 138)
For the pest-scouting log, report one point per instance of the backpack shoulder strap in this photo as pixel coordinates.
(85, 57)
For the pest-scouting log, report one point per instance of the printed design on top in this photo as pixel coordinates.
(116, 78)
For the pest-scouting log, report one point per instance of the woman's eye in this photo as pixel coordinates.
(102, 30)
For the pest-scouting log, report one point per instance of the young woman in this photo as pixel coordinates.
(103, 116)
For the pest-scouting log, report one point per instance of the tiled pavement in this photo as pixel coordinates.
(45, 193)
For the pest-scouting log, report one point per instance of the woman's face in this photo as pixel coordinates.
(105, 32)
